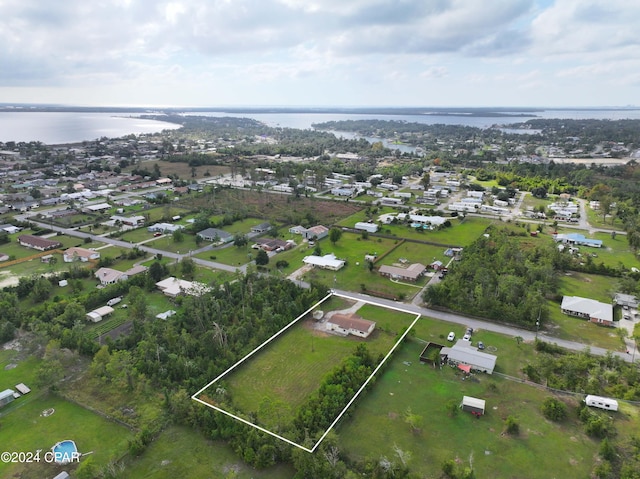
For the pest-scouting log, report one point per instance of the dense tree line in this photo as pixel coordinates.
(497, 278)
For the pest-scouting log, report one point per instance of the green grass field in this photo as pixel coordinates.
(542, 450)
(24, 429)
(231, 255)
(355, 273)
(273, 386)
(183, 452)
(463, 232)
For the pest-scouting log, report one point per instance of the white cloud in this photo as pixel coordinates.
(295, 48)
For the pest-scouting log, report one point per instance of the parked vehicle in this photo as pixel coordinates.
(451, 336)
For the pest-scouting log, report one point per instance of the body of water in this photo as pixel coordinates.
(54, 128)
(305, 120)
(73, 127)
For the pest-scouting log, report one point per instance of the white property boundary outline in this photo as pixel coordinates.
(335, 421)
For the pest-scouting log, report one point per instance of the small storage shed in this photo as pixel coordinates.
(607, 404)
(473, 405)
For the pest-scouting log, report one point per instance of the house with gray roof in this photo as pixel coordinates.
(215, 235)
(589, 309)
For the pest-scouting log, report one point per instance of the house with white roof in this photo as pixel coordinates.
(589, 309)
(328, 261)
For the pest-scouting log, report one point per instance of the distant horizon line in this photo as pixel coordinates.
(7, 106)
(470, 111)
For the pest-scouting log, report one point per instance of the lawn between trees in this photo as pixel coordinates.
(271, 387)
(380, 427)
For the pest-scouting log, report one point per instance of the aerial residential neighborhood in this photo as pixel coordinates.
(359, 312)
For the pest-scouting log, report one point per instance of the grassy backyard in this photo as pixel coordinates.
(180, 450)
(273, 386)
(377, 427)
(91, 433)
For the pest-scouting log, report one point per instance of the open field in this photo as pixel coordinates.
(286, 209)
(596, 220)
(180, 450)
(273, 386)
(463, 232)
(541, 447)
(594, 286)
(231, 255)
(91, 433)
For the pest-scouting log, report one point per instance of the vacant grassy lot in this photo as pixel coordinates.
(231, 255)
(24, 429)
(274, 386)
(463, 232)
(541, 450)
(594, 286)
(183, 452)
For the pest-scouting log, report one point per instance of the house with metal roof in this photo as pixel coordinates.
(98, 314)
(328, 261)
(628, 300)
(6, 397)
(464, 353)
(577, 239)
(589, 309)
(215, 235)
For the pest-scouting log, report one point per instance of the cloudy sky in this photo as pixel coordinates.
(320, 52)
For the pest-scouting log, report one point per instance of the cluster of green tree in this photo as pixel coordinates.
(315, 416)
(500, 279)
(586, 132)
(583, 372)
(213, 331)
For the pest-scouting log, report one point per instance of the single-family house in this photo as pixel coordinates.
(128, 220)
(590, 309)
(297, 230)
(463, 352)
(79, 254)
(173, 287)
(110, 276)
(36, 242)
(261, 228)
(315, 232)
(627, 300)
(269, 244)
(215, 235)
(328, 261)
(10, 229)
(346, 324)
(410, 273)
(577, 239)
(164, 228)
(97, 208)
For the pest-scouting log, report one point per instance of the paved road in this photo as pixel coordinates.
(413, 307)
(474, 323)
